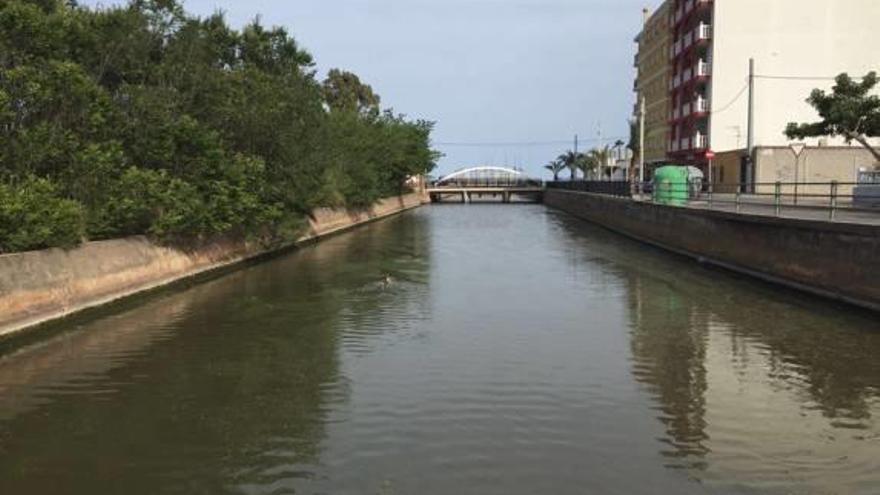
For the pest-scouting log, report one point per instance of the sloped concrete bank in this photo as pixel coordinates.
(39, 286)
(835, 260)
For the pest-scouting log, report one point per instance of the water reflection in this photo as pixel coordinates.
(754, 386)
(669, 355)
(224, 386)
(512, 350)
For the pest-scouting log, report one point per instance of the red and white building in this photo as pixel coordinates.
(690, 59)
(797, 46)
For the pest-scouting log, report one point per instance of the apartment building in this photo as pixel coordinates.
(796, 45)
(652, 79)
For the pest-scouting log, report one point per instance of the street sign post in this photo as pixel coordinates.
(710, 156)
(797, 149)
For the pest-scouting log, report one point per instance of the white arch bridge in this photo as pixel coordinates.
(482, 183)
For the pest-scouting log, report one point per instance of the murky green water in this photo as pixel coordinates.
(515, 351)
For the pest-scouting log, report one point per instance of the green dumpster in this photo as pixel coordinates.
(671, 185)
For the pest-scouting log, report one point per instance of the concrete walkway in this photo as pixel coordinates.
(806, 209)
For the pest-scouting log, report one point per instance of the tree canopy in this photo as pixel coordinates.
(344, 92)
(143, 119)
(555, 166)
(850, 111)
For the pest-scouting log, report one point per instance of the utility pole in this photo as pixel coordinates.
(600, 147)
(573, 171)
(750, 140)
(642, 111)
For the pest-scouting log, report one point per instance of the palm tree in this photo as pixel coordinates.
(570, 160)
(601, 156)
(587, 164)
(555, 166)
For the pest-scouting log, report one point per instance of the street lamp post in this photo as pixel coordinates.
(710, 157)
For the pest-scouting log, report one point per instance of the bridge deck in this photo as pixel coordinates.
(487, 190)
(468, 193)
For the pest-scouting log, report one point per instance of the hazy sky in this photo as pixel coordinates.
(498, 73)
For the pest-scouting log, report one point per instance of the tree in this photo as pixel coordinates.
(587, 164)
(601, 156)
(570, 160)
(344, 92)
(555, 167)
(143, 119)
(850, 111)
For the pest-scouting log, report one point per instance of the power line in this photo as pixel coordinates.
(478, 144)
(734, 100)
(803, 78)
(501, 144)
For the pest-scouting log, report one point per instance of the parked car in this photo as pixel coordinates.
(866, 194)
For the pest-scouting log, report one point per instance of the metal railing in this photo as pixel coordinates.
(488, 182)
(834, 200)
(815, 200)
(609, 187)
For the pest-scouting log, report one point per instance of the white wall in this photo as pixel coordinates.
(791, 38)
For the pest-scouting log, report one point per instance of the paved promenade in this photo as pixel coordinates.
(807, 208)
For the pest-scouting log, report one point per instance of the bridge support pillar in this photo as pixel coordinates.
(505, 196)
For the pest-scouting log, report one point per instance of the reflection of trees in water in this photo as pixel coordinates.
(825, 353)
(234, 396)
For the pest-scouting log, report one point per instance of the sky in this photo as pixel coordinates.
(508, 82)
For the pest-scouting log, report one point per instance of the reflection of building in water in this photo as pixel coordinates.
(775, 394)
(669, 351)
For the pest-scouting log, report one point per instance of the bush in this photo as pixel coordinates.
(34, 216)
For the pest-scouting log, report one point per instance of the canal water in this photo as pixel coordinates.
(479, 349)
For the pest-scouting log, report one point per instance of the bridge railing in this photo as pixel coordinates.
(487, 183)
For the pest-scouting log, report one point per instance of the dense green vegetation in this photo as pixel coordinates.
(142, 119)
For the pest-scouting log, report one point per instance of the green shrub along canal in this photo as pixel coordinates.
(474, 349)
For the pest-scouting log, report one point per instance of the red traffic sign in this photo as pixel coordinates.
(710, 155)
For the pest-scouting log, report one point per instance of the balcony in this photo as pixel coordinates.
(636, 60)
(687, 75)
(697, 142)
(676, 49)
(686, 109)
(678, 15)
(687, 40)
(700, 69)
(703, 32)
(686, 8)
(703, 69)
(701, 105)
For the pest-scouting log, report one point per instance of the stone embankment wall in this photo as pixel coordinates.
(833, 260)
(39, 286)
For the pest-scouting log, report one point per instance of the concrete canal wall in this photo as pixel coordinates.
(39, 286)
(833, 260)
